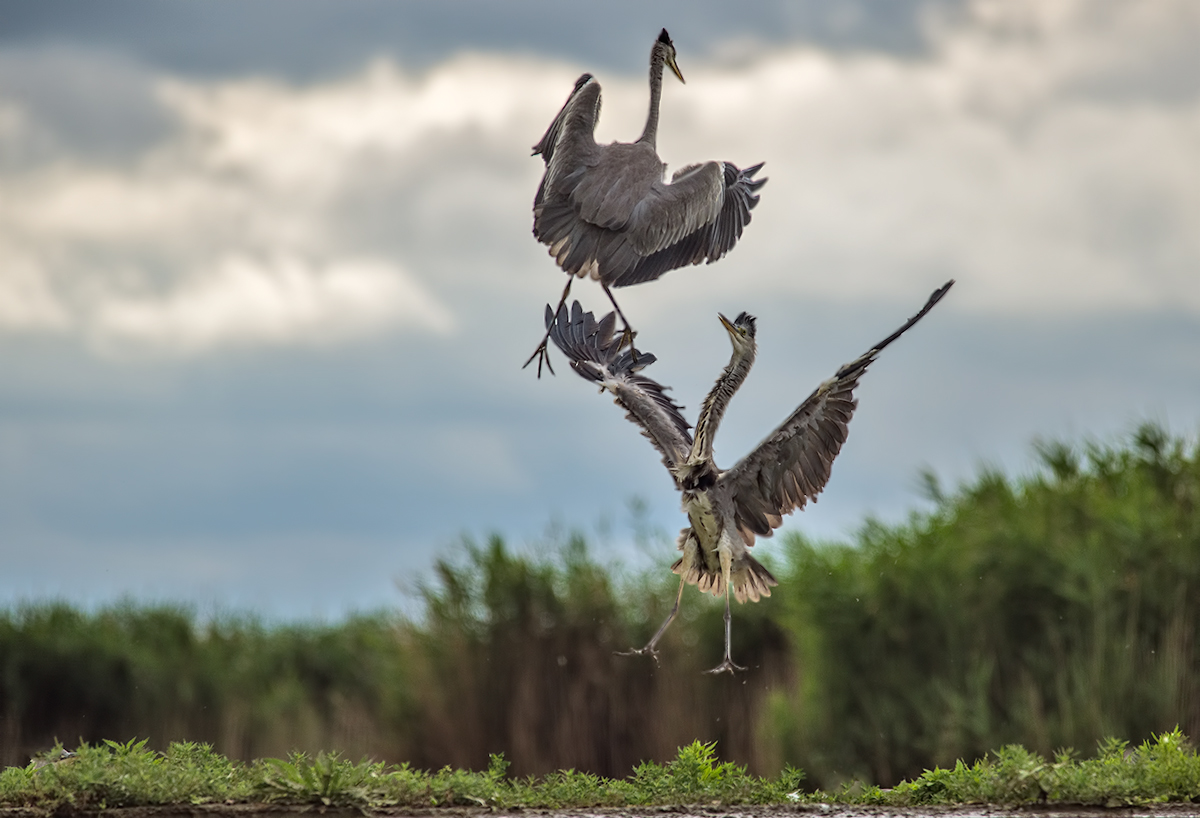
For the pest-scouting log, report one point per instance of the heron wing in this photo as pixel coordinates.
(792, 465)
(569, 145)
(582, 111)
(698, 217)
(608, 206)
(597, 356)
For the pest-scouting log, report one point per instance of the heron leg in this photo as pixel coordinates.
(651, 645)
(542, 353)
(627, 335)
(727, 665)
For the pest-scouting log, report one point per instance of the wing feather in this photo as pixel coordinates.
(606, 209)
(792, 465)
(546, 144)
(599, 357)
(708, 241)
(569, 144)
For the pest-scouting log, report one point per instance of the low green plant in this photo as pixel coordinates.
(113, 774)
(327, 779)
(1163, 769)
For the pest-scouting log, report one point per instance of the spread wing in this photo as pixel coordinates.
(597, 356)
(698, 217)
(792, 465)
(606, 211)
(568, 145)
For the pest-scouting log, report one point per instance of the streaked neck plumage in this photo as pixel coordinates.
(717, 402)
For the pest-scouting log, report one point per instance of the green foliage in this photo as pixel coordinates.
(1162, 769)
(1048, 611)
(327, 779)
(540, 632)
(123, 775)
(232, 682)
(116, 774)
(1040, 612)
(697, 776)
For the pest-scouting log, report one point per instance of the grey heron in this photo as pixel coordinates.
(605, 211)
(726, 509)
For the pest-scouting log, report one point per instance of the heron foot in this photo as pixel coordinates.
(726, 666)
(649, 650)
(542, 353)
(627, 337)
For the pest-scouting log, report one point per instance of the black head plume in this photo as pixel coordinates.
(747, 322)
(665, 38)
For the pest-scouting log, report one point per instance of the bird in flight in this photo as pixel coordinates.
(606, 212)
(726, 508)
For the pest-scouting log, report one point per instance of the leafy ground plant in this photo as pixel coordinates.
(1163, 769)
(121, 775)
(112, 774)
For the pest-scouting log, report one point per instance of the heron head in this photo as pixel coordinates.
(664, 45)
(583, 80)
(741, 329)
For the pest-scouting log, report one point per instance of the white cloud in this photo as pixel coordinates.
(308, 136)
(247, 301)
(1032, 154)
(999, 159)
(27, 304)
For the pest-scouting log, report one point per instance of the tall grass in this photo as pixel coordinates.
(1050, 610)
(246, 688)
(518, 655)
(513, 654)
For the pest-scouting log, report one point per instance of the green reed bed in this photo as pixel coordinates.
(1048, 610)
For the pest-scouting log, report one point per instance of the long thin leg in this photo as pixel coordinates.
(627, 335)
(727, 665)
(650, 646)
(542, 353)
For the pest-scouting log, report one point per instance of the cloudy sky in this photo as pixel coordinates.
(267, 278)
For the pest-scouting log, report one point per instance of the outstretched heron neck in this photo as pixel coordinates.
(650, 133)
(718, 401)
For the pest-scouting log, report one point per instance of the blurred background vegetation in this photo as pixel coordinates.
(1051, 610)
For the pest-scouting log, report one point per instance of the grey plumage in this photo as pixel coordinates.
(726, 509)
(606, 212)
(599, 357)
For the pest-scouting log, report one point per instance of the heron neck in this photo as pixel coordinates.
(717, 402)
(650, 133)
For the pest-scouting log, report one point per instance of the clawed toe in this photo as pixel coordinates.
(726, 666)
(542, 353)
(646, 651)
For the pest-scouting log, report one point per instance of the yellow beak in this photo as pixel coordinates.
(729, 327)
(675, 69)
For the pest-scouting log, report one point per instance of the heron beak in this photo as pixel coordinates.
(675, 69)
(729, 327)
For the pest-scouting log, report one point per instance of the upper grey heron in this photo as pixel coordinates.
(605, 211)
(726, 508)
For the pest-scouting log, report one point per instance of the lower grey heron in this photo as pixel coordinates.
(726, 509)
(606, 213)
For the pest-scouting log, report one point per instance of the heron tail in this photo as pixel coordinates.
(750, 578)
